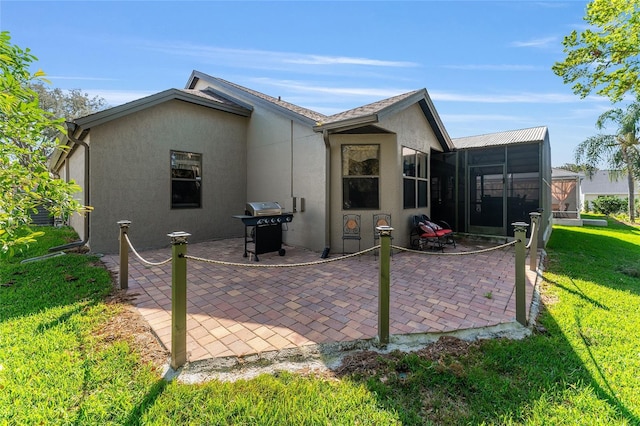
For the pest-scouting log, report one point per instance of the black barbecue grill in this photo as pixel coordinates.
(263, 227)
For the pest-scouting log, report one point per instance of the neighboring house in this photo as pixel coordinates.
(565, 192)
(602, 183)
(188, 160)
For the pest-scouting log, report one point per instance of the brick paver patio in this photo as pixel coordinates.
(239, 311)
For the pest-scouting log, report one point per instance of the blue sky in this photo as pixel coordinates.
(486, 64)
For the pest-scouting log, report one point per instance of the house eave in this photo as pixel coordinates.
(158, 98)
(243, 97)
(348, 124)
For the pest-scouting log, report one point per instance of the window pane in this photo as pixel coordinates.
(360, 160)
(422, 165)
(408, 161)
(422, 193)
(185, 165)
(185, 193)
(360, 193)
(409, 195)
(186, 186)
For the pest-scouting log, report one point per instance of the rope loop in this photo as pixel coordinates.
(533, 232)
(140, 258)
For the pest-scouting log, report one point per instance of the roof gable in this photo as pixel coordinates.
(198, 97)
(372, 113)
(241, 93)
(361, 117)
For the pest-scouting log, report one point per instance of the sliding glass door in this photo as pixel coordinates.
(487, 199)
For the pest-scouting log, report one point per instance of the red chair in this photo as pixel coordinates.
(428, 234)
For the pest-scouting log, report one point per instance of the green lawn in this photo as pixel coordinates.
(580, 367)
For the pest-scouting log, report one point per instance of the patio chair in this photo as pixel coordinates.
(380, 219)
(443, 229)
(350, 229)
(428, 234)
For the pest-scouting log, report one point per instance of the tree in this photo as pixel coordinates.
(604, 56)
(622, 150)
(588, 170)
(69, 104)
(25, 181)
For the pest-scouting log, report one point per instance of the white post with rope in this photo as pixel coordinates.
(123, 279)
(533, 242)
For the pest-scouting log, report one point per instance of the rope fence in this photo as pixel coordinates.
(281, 265)
(142, 259)
(458, 253)
(179, 275)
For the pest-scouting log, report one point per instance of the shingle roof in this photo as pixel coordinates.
(210, 96)
(357, 117)
(204, 98)
(369, 109)
(601, 183)
(564, 174)
(305, 112)
(533, 134)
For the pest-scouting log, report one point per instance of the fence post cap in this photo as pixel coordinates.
(384, 230)
(124, 223)
(520, 226)
(535, 214)
(179, 237)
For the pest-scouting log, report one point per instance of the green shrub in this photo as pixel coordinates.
(610, 205)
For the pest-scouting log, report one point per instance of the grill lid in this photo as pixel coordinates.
(263, 208)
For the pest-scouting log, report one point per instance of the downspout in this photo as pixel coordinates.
(71, 129)
(291, 165)
(327, 213)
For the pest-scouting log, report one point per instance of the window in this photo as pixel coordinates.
(415, 178)
(186, 180)
(360, 176)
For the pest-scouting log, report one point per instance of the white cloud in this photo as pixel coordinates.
(552, 5)
(304, 87)
(267, 58)
(466, 118)
(343, 60)
(524, 97)
(537, 42)
(494, 67)
(69, 77)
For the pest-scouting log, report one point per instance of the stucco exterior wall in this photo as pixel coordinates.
(74, 171)
(131, 179)
(286, 159)
(410, 129)
(413, 131)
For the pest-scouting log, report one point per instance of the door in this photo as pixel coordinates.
(487, 200)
